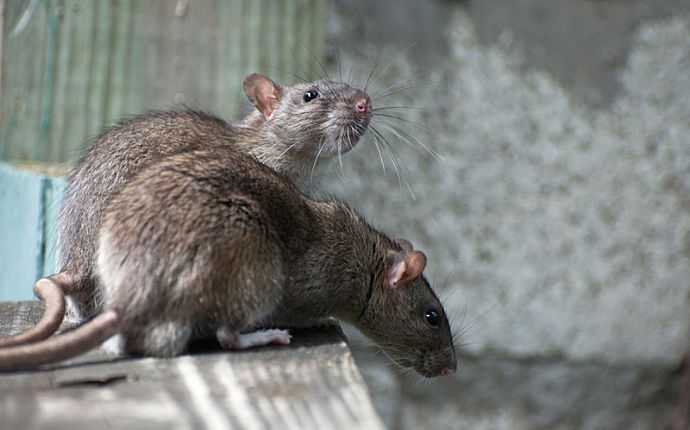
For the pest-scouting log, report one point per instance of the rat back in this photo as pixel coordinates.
(116, 156)
(189, 247)
(292, 129)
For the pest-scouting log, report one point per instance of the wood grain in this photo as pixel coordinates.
(313, 383)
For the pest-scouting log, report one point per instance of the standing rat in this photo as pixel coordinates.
(213, 242)
(294, 130)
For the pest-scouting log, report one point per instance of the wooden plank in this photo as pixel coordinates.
(29, 204)
(313, 383)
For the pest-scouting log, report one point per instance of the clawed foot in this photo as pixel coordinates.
(229, 340)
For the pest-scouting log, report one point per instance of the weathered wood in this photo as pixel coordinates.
(313, 383)
(73, 67)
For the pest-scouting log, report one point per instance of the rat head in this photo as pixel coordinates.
(405, 318)
(312, 120)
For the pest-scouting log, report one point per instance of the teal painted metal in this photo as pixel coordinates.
(29, 204)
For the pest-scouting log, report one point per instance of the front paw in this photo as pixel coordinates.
(236, 341)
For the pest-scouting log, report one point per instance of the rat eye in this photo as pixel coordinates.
(431, 317)
(310, 95)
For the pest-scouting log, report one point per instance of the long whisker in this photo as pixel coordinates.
(410, 139)
(393, 160)
(299, 63)
(340, 71)
(349, 75)
(376, 64)
(323, 69)
(403, 88)
(287, 149)
(294, 75)
(340, 159)
(376, 145)
(397, 161)
(403, 82)
(390, 63)
(316, 159)
(397, 107)
(415, 123)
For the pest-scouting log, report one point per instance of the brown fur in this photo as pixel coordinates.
(289, 142)
(212, 239)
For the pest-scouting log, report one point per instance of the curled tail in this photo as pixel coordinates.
(63, 346)
(51, 291)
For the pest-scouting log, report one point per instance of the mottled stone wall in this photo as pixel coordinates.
(560, 212)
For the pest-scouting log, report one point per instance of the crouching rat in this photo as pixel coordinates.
(294, 130)
(212, 242)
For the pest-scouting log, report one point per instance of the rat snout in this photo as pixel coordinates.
(438, 362)
(448, 371)
(362, 103)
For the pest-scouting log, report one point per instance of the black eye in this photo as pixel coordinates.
(431, 317)
(310, 95)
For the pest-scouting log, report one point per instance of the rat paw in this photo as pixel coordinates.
(236, 341)
(114, 347)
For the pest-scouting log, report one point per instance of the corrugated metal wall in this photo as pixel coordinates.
(71, 67)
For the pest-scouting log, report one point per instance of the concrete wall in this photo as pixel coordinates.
(560, 213)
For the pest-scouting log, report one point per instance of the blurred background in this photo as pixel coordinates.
(556, 215)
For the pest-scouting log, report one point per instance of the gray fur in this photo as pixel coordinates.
(212, 239)
(295, 141)
(210, 242)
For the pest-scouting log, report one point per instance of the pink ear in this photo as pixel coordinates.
(262, 92)
(407, 270)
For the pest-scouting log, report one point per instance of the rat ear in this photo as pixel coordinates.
(262, 92)
(405, 244)
(406, 270)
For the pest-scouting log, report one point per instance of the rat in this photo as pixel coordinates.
(212, 242)
(294, 129)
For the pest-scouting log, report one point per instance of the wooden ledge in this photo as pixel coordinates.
(313, 383)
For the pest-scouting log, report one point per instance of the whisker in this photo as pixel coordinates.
(403, 88)
(376, 64)
(287, 149)
(385, 147)
(417, 124)
(376, 145)
(390, 149)
(340, 72)
(316, 159)
(294, 75)
(397, 107)
(390, 63)
(349, 75)
(410, 139)
(323, 69)
(403, 82)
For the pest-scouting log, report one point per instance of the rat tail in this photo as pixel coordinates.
(63, 346)
(51, 291)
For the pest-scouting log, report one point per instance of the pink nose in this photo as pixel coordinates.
(363, 105)
(447, 371)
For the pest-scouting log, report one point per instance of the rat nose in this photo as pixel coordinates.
(363, 105)
(447, 371)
